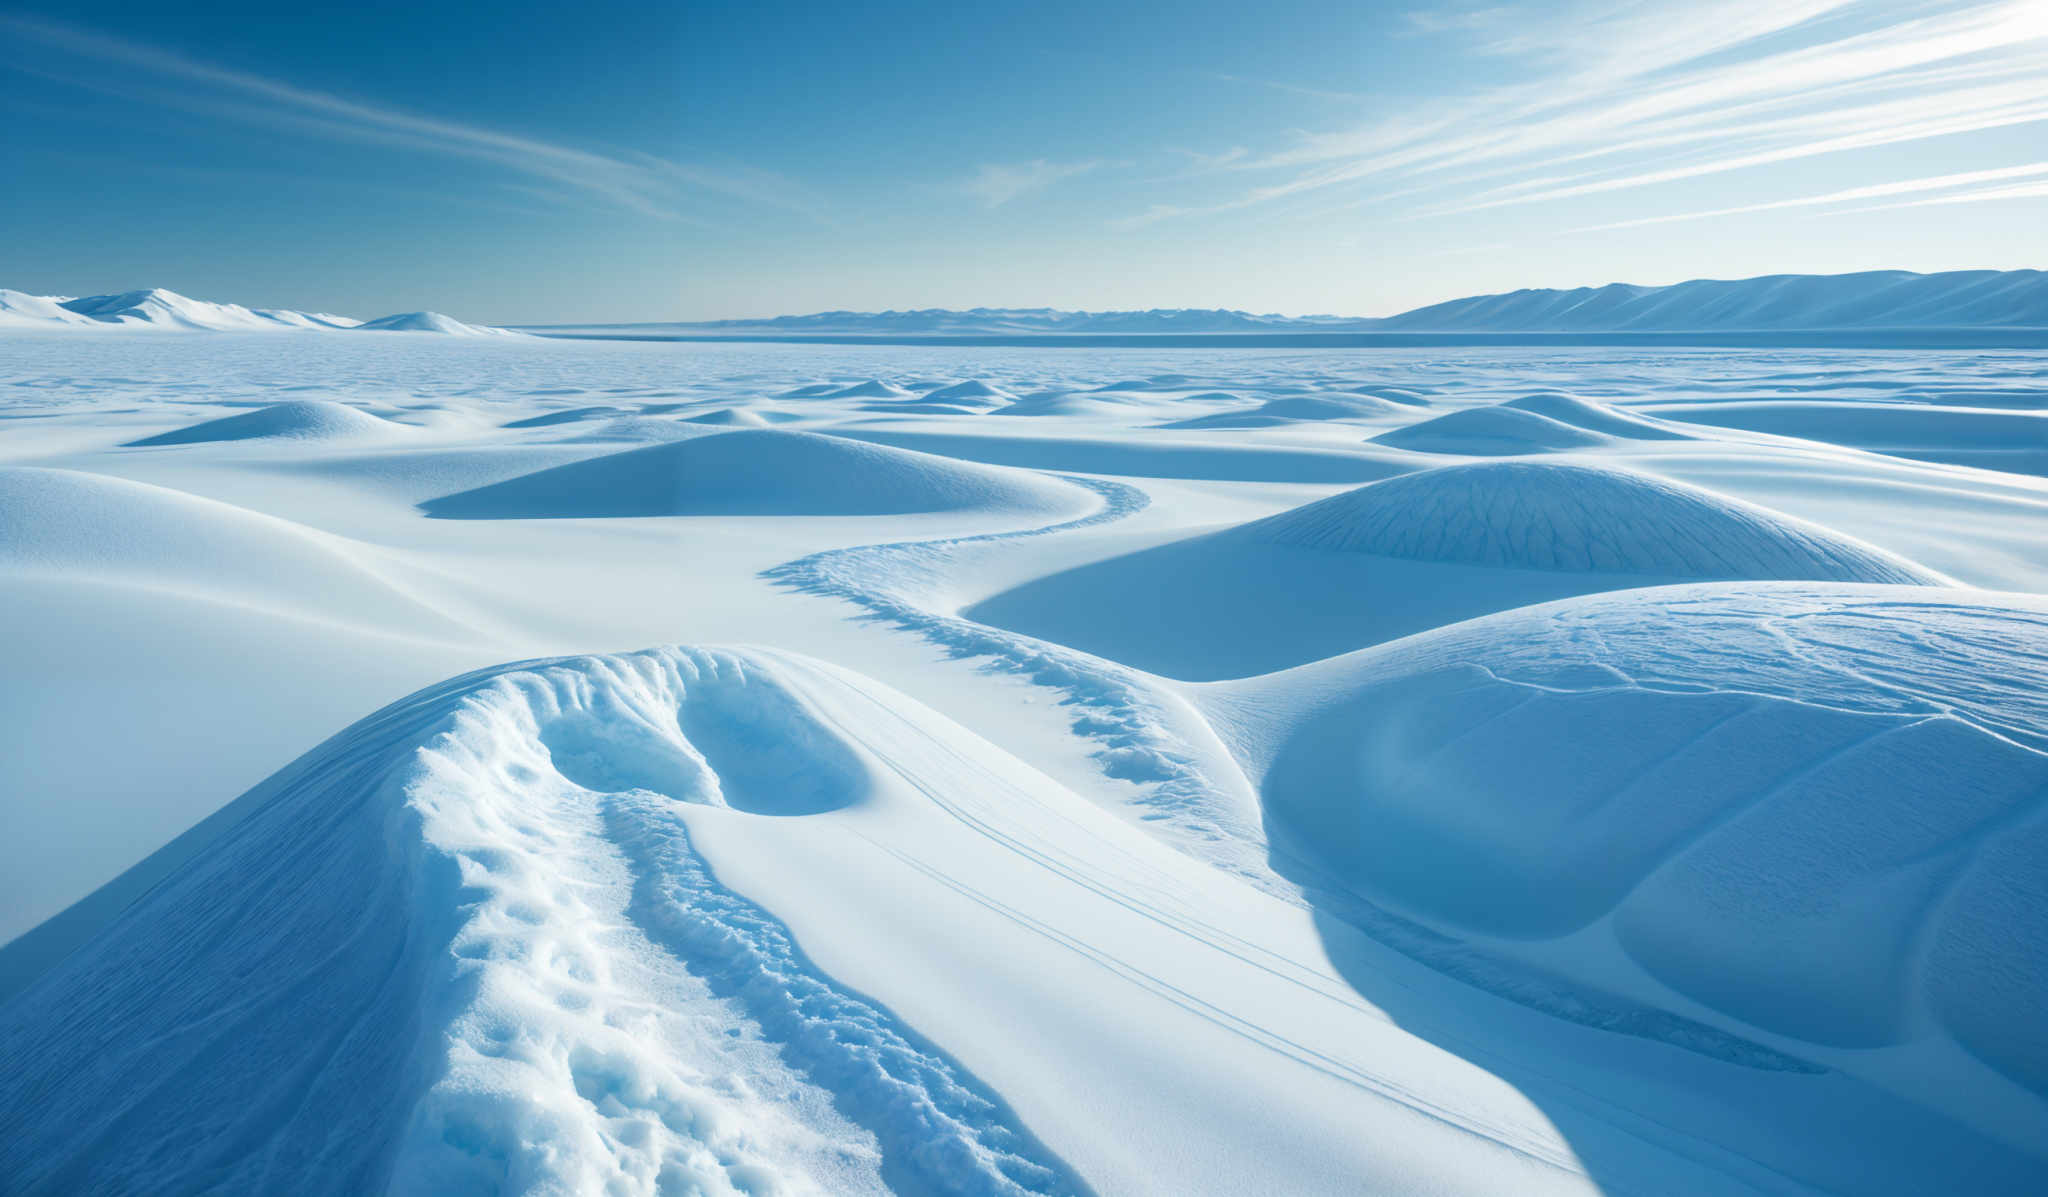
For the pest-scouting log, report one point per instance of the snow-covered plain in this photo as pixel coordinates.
(486, 763)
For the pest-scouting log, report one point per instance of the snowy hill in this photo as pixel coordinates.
(433, 322)
(1875, 299)
(159, 309)
(1777, 303)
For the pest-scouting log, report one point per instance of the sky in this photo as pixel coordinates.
(524, 162)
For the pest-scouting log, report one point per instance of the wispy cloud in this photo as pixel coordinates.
(996, 184)
(1613, 98)
(636, 182)
(1854, 194)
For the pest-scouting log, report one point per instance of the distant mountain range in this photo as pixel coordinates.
(1882, 299)
(1781, 303)
(157, 308)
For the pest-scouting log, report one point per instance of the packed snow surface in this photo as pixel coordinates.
(1442, 770)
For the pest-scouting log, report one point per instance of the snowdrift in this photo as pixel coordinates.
(467, 945)
(433, 322)
(1414, 552)
(1810, 815)
(1496, 430)
(761, 472)
(101, 530)
(1294, 409)
(1596, 417)
(299, 420)
(1556, 516)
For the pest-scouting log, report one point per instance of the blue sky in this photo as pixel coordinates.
(529, 162)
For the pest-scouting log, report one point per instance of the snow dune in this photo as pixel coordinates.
(109, 531)
(1492, 431)
(760, 472)
(1812, 815)
(1582, 518)
(1413, 552)
(298, 420)
(433, 322)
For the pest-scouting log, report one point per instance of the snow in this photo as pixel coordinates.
(161, 310)
(302, 419)
(751, 768)
(757, 472)
(433, 322)
(1564, 516)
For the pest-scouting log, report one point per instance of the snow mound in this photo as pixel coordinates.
(973, 391)
(110, 530)
(1809, 815)
(732, 417)
(1493, 431)
(569, 415)
(761, 472)
(1557, 516)
(433, 322)
(1295, 409)
(1406, 396)
(873, 388)
(302, 419)
(1596, 417)
(468, 945)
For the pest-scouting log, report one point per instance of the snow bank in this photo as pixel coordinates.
(761, 472)
(466, 946)
(1493, 431)
(1556, 516)
(299, 420)
(1812, 815)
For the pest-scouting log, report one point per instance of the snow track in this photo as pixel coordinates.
(584, 1007)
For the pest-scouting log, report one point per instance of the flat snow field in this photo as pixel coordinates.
(490, 764)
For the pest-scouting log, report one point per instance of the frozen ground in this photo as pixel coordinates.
(476, 763)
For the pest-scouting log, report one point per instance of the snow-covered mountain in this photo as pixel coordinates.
(1776, 303)
(1874, 299)
(157, 308)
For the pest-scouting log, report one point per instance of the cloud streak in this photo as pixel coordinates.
(1622, 98)
(643, 184)
(996, 184)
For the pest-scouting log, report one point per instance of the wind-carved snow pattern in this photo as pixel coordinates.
(467, 945)
(1818, 811)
